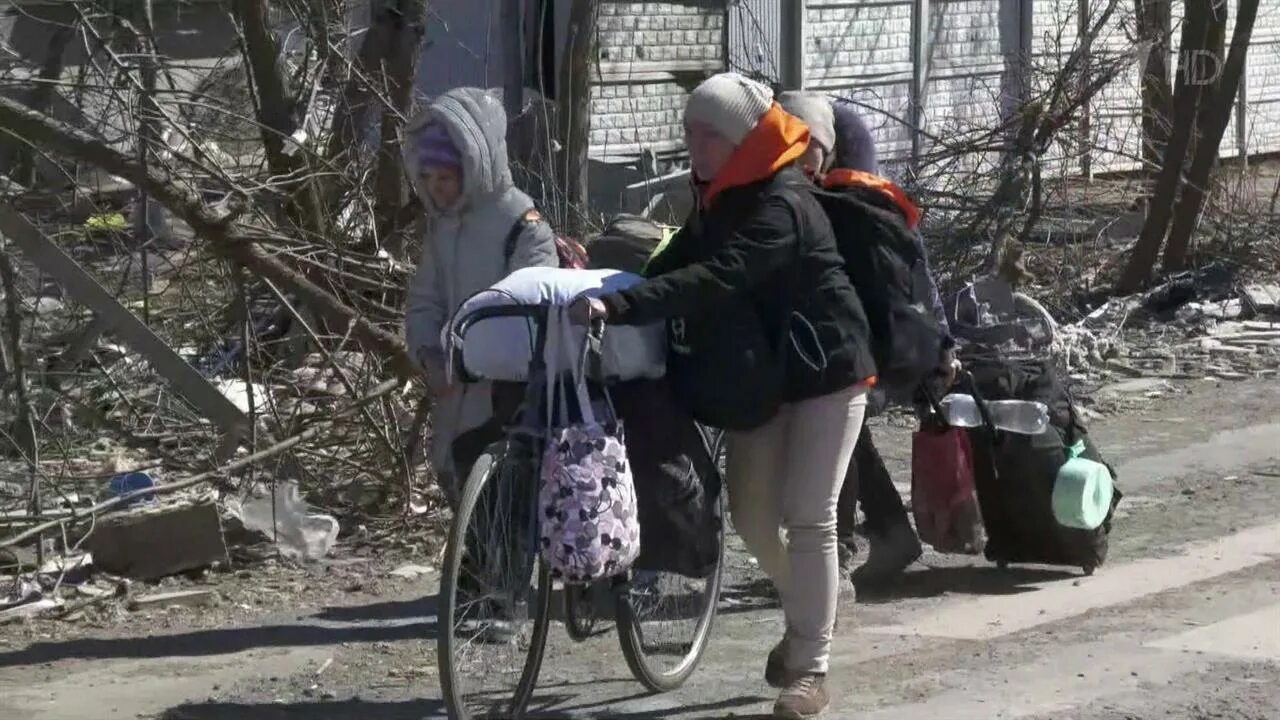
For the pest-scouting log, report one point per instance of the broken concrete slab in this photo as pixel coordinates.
(1217, 310)
(151, 543)
(1262, 297)
(184, 598)
(1139, 386)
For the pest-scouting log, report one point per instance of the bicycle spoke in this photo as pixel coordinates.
(496, 601)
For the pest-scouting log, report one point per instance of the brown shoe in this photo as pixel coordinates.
(775, 668)
(804, 698)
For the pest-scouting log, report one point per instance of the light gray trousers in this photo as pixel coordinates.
(786, 476)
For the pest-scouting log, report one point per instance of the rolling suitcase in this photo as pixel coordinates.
(1015, 474)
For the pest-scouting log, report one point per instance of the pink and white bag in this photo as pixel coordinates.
(589, 524)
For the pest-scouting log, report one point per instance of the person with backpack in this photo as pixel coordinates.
(762, 314)
(842, 161)
(479, 228)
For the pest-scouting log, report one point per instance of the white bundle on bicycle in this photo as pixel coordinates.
(589, 521)
(500, 348)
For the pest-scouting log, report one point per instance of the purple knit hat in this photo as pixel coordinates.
(436, 149)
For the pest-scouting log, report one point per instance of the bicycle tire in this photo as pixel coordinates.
(483, 474)
(631, 639)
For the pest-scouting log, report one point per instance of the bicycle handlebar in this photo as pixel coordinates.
(538, 314)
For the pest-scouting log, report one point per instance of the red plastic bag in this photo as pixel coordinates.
(944, 499)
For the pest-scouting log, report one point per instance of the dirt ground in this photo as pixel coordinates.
(1183, 621)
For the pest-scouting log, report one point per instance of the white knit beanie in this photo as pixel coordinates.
(730, 103)
(816, 112)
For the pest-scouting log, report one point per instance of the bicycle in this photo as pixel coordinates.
(496, 593)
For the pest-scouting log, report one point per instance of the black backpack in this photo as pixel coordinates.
(625, 244)
(889, 272)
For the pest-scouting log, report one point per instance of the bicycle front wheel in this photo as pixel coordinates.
(495, 596)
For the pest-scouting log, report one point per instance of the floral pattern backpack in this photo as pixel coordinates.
(589, 523)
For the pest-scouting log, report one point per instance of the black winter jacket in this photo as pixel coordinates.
(772, 241)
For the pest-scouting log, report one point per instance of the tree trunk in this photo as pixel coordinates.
(399, 72)
(352, 116)
(22, 433)
(1219, 106)
(18, 160)
(1186, 101)
(275, 106)
(1208, 71)
(574, 112)
(1155, 23)
(275, 112)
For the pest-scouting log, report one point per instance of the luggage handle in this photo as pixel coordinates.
(981, 403)
(935, 405)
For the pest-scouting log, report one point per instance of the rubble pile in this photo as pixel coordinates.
(1188, 329)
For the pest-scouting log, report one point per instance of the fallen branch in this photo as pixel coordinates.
(227, 238)
(267, 453)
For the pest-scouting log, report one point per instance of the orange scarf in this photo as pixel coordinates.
(842, 178)
(778, 140)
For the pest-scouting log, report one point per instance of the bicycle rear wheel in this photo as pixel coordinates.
(495, 596)
(664, 621)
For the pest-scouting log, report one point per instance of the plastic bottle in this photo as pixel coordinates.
(1018, 416)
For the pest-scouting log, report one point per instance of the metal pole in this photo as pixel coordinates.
(1086, 112)
(148, 133)
(793, 34)
(1242, 110)
(919, 78)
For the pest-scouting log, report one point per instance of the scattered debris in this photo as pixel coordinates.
(184, 598)
(29, 610)
(299, 533)
(154, 542)
(132, 482)
(1220, 310)
(411, 572)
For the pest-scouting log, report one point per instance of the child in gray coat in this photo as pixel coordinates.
(455, 152)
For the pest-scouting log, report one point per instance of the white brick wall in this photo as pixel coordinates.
(1263, 80)
(1115, 127)
(863, 51)
(965, 91)
(845, 43)
(628, 117)
(659, 36)
(645, 48)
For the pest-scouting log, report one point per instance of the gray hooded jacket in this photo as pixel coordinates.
(465, 246)
(464, 250)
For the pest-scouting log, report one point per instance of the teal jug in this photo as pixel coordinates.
(1082, 491)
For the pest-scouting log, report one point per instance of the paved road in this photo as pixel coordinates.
(1184, 622)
